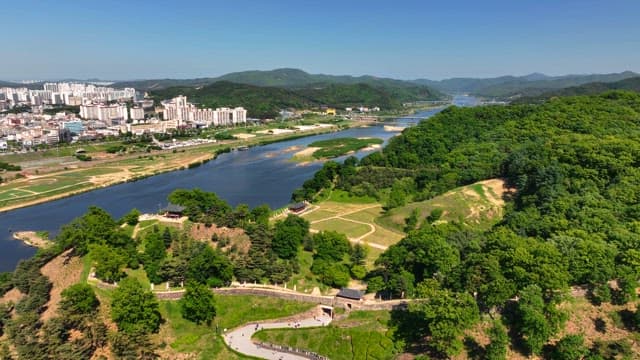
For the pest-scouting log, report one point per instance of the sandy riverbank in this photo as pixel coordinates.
(31, 238)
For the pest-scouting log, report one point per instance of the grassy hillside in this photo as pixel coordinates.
(479, 206)
(362, 335)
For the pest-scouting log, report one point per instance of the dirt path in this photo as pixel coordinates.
(359, 239)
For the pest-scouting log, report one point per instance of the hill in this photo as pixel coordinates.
(282, 78)
(264, 101)
(478, 205)
(594, 88)
(259, 101)
(511, 86)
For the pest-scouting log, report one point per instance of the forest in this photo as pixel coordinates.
(571, 219)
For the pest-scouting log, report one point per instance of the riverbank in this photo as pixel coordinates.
(112, 170)
(32, 238)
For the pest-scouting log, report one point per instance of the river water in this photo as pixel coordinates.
(260, 175)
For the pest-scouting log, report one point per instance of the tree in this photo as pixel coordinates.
(134, 309)
(198, 304)
(330, 245)
(397, 198)
(210, 267)
(411, 221)
(497, 348)
(443, 316)
(358, 254)
(261, 214)
(289, 235)
(570, 347)
(131, 218)
(108, 262)
(536, 321)
(79, 299)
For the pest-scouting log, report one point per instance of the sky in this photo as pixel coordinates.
(136, 39)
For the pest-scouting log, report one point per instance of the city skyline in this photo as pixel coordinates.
(404, 40)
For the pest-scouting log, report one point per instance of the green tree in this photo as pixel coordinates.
(134, 309)
(198, 304)
(79, 299)
(358, 254)
(288, 236)
(411, 221)
(536, 320)
(443, 315)
(109, 262)
(497, 348)
(570, 347)
(210, 267)
(131, 218)
(397, 198)
(330, 245)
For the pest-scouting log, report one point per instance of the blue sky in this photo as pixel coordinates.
(402, 39)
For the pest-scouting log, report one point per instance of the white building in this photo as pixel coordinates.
(110, 114)
(136, 113)
(184, 112)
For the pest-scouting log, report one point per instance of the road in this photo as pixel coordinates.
(239, 339)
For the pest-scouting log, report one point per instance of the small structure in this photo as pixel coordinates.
(351, 294)
(173, 211)
(297, 207)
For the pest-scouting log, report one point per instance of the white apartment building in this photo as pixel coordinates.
(110, 114)
(136, 113)
(181, 110)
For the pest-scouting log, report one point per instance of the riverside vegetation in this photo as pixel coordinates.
(507, 289)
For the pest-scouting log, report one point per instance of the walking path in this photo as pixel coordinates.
(359, 239)
(239, 339)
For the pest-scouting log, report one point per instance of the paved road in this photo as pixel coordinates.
(239, 339)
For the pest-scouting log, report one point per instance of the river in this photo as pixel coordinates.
(260, 175)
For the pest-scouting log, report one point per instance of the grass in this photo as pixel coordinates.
(341, 146)
(362, 335)
(351, 229)
(341, 196)
(474, 205)
(186, 337)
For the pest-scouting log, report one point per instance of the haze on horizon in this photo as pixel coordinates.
(403, 39)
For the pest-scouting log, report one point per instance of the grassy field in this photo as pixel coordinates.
(478, 205)
(363, 335)
(351, 229)
(182, 336)
(354, 219)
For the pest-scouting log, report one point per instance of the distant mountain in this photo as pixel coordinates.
(594, 88)
(512, 86)
(289, 79)
(266, 101)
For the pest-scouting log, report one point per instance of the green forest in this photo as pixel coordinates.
(266, 102)
(571, 219)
